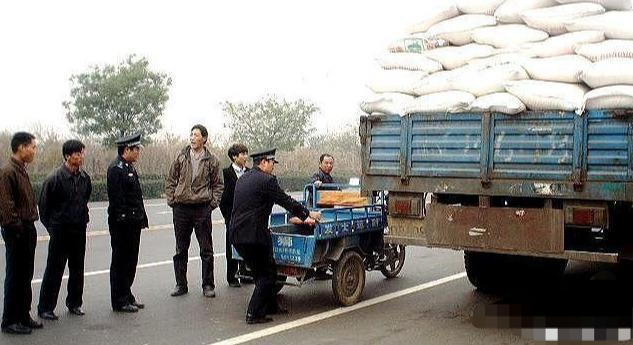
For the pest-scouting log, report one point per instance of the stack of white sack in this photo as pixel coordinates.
(508, 56)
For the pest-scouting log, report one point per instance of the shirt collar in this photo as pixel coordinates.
(237, 168)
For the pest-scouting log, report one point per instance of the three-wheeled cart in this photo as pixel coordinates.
(348, 241)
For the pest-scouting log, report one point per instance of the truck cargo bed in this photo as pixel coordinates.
(533, 154)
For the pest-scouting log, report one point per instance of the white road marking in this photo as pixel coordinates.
(147, 265)
(93, 233)
(336, 312)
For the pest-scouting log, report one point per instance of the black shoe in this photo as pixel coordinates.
(235, 284)
(32, 323)
(254, 320)
(138, 304)
(179, 290)
(48, 315)
(208, 291)
(128, 308)
(16, 328)
(76, 311)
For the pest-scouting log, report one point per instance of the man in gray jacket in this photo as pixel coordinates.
(194, 188)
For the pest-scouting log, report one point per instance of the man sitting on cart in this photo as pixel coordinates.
(323, 175)
(255, 194)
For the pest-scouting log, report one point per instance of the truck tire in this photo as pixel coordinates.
(348, 280)
(490, 272)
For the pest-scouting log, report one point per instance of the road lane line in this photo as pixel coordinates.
(336, 312)
(147, 265)
(93, 233)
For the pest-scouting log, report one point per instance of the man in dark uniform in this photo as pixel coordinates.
(126, 218)
(64, 213)
(255, 194)
(18, 212)
(238, 153)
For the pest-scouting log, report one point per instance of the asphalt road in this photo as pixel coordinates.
(431, 302)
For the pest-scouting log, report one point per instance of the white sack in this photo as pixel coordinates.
(394, 80)
(606, 50)
(413, 44)
(565, 43)
(487, 80)
(503, 36)
(553, 19)
(453, 57)
(436, 82)
(547, 95)
(609, 72)
(458, 30)
(441, 102)
(433, 16)
(499, 59)
(386, 103)
(510, 11)
(610, 97)
(565, 68)
(478, 6)
(614, 24)
(609, 5)
(501, 102)
(408, 61)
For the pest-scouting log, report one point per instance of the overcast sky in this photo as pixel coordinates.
(213, 50)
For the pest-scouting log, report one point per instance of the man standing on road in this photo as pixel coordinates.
(64, 213)
(238, 154)
(255, 194)
(126, 218)
(194, 188)
(18, 212)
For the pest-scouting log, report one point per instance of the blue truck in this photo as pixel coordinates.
(520, 194)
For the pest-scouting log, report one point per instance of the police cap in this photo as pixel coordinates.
(268, 155)
(129, 141)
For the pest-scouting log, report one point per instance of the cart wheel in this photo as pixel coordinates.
(348, 280)
(395, 260)
(281, 279)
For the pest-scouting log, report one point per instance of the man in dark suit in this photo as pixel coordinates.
(255, 194)
(238, 153)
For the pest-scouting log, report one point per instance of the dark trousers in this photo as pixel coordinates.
(260, 260)
(187, 219)
(125, 240)
(67, 244)
(232, 265)
(20, 257)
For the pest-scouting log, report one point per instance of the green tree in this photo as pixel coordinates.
(112, 101)
(270, 122)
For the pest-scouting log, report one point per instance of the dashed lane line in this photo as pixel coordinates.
(147, 265)
(93, 233)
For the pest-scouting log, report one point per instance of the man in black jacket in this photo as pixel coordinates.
(126, 218)
(255, 194)
(238, 153)
(18, 212)
(64, 213)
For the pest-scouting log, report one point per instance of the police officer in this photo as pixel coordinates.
(255, 194)
(126, 218)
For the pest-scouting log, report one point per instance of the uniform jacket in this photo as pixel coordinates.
(230, 178)
(207, 186)
(255, 194)
(17, 199)
(124, 195)
(64, 198)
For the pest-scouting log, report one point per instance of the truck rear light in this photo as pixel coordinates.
(595, 217)
(406, 206)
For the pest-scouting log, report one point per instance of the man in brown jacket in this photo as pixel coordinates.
(18, 212)
(194, 188)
